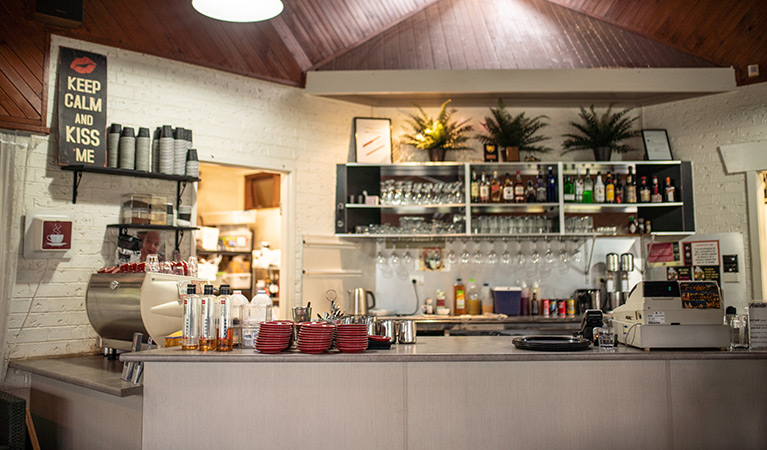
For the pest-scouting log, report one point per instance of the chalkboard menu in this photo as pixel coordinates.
(82, 105)
(699, 294)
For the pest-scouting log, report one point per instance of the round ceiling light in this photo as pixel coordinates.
(238, 10)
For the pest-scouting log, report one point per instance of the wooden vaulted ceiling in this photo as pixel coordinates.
(392, 34)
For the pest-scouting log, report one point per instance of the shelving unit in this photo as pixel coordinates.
(668, 218)
(181, 182)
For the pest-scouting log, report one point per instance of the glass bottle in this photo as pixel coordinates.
(609, 189)
(495, 188)
(238, 303)
(631, 187)
(619, 196)
(474, 303)
(568, 191)
(484, 189)
(519, 189)
(487, 299)
(588, 188)
(190, 334)
(474, 187)
(599, 189)
(207, 319)
(644, 191)
(540, 188)
(655, 196)
(551, 187)
(508, 190)
(459, 298)
(530, 196)
(670, 190)
(578, 186)
(225, 334)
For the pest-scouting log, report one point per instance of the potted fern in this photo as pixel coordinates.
(602, 134)
(436, 135)
(515, 133)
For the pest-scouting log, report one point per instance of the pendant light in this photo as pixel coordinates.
(238, 10)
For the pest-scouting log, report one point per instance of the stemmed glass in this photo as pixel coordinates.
(394, 258)
(576, 251)
(564, 255)
(477, 257)
(520, 254)
(506, 256)
(492, 256)
(451, 256)
(535, 256)
(548, 255)
(465, 253)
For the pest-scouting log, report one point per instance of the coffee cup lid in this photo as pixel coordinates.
(157, 133)
(167, 131)
(179, 133)
(129, 132)
(143, 132)
(116, 128)
(191, 155)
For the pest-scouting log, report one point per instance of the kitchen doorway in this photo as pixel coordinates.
(242, 228)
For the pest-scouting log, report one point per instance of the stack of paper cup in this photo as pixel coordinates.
(128, 149)
(166, 150)
(192, 165)
(113, 145)
(179, 152)
(143, 147)
(156, 150)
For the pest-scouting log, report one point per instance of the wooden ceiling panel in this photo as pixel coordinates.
(727, 33)
(523, 34)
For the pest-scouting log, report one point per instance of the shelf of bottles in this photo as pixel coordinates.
(547, 199)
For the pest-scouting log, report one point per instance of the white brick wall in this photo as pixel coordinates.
(235, 120)
(696, 129)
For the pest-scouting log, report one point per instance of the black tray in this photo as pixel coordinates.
(552, 343)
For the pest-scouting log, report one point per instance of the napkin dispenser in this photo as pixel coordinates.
(672, 314)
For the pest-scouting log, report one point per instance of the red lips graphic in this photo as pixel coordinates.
(83, 65)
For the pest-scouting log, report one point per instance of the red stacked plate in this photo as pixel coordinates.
(352, 338)
(274, 337)
(315, 337)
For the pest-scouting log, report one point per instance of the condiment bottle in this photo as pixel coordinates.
(535, 291)
(238, 302)
(440, 298)
(190, 333)
(459, 298)
(670, 190)
(207, 319)
(487, 299)
(225, 332)
(525, 300)
(475, 304)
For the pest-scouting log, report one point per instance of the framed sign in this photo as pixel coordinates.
(656, 146)
(372, 140)
(82, 106)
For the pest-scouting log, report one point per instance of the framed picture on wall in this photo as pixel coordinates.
(372, 140)
(656, 145)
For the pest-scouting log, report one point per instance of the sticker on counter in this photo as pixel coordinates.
(656, 318)
(757, 323)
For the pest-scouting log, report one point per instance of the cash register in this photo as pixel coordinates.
(672, 314)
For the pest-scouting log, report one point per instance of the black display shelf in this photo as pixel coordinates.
(78, 171)
(223, 252)
(145, 226)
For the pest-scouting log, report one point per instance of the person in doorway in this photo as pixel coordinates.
(150, 245)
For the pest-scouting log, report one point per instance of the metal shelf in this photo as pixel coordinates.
(617, 207)
(405, 207)
(179, 230)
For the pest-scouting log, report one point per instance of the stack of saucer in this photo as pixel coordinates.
(166, 150)
(274, 337)
(352, 337)
(315, 337)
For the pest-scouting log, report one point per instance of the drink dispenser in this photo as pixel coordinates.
(120, 304)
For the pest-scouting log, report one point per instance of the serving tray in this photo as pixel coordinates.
(552, 343)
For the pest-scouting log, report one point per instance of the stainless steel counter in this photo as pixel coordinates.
(431, 349)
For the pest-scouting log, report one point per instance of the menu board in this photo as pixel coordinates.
(699, 295)
(757, 324)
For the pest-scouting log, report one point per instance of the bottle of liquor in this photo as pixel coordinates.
(631, 187)
(459, 298)
(495, 188)
(540, 189)
(644, 191)
(225, 332)
(618, 189)
(519, 189)
(530, 192)
(484, 189)
(588, 188)
(670, 190)
(599, 189)
(508, 190)
(578, 186)
(474, 187)
(632, 225)
(656, 196)
(551, 187)
(609, 189)
(190, 334)
(207, 319)
(568, 192)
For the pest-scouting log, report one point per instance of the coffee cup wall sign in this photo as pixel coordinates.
(82, 105)
(48, 234)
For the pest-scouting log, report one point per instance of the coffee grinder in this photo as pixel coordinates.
(611, 282)
(627, 266)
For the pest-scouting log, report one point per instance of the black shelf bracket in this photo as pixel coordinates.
(77, 177)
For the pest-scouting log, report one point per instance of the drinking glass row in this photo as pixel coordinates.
(407, 192)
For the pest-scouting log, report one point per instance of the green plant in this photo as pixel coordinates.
(518, 131)
(606, 130)
(440, 132)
